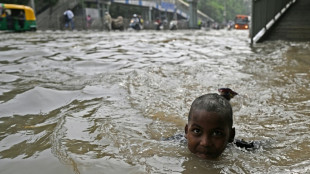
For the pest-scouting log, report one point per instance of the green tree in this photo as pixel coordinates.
(224, 10)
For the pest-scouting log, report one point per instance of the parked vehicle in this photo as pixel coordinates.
(17, 18)
(242, 22)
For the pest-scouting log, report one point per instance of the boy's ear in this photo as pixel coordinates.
(186, 130)
(232, 135)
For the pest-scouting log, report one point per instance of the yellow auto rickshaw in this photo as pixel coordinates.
(17, 18)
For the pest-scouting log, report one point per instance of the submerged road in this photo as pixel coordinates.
(98, 102)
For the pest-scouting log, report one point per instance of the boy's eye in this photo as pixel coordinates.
(196, 131)
(217, 133)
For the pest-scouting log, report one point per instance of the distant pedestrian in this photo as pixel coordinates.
(89, 21)
(21, 19)
(9, 19)
(69, 19)
(107, 21)
(141, 21)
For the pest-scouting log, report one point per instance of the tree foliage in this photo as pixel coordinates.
(224, 10)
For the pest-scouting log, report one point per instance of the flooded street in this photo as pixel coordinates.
(97, 102)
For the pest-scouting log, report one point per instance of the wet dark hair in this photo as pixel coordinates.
(212, 103)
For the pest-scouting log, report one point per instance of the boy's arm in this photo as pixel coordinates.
(244, 144)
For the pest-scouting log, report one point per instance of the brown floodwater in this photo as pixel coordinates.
(101, 102)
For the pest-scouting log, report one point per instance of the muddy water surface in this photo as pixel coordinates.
(98, 102)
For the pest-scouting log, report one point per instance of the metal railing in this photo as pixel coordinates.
(264, 14)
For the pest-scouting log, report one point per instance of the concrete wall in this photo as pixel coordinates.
(52, 18)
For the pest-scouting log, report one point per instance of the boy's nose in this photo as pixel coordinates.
(205, 141)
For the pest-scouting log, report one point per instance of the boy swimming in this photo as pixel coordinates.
(209, 128)
(210, 125)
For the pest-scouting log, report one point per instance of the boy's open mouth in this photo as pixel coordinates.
(205, 155)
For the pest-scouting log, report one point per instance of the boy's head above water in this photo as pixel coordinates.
(209, 128)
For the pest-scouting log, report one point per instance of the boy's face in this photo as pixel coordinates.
(208, 134)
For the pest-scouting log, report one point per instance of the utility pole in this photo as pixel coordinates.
(150, 14)
(252, 22)
(83, 14)
(225, 11)
(33, 5)
(193, 14)
(175, 15)
(100, 15)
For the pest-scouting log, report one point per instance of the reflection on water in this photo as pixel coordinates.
(97, 102)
